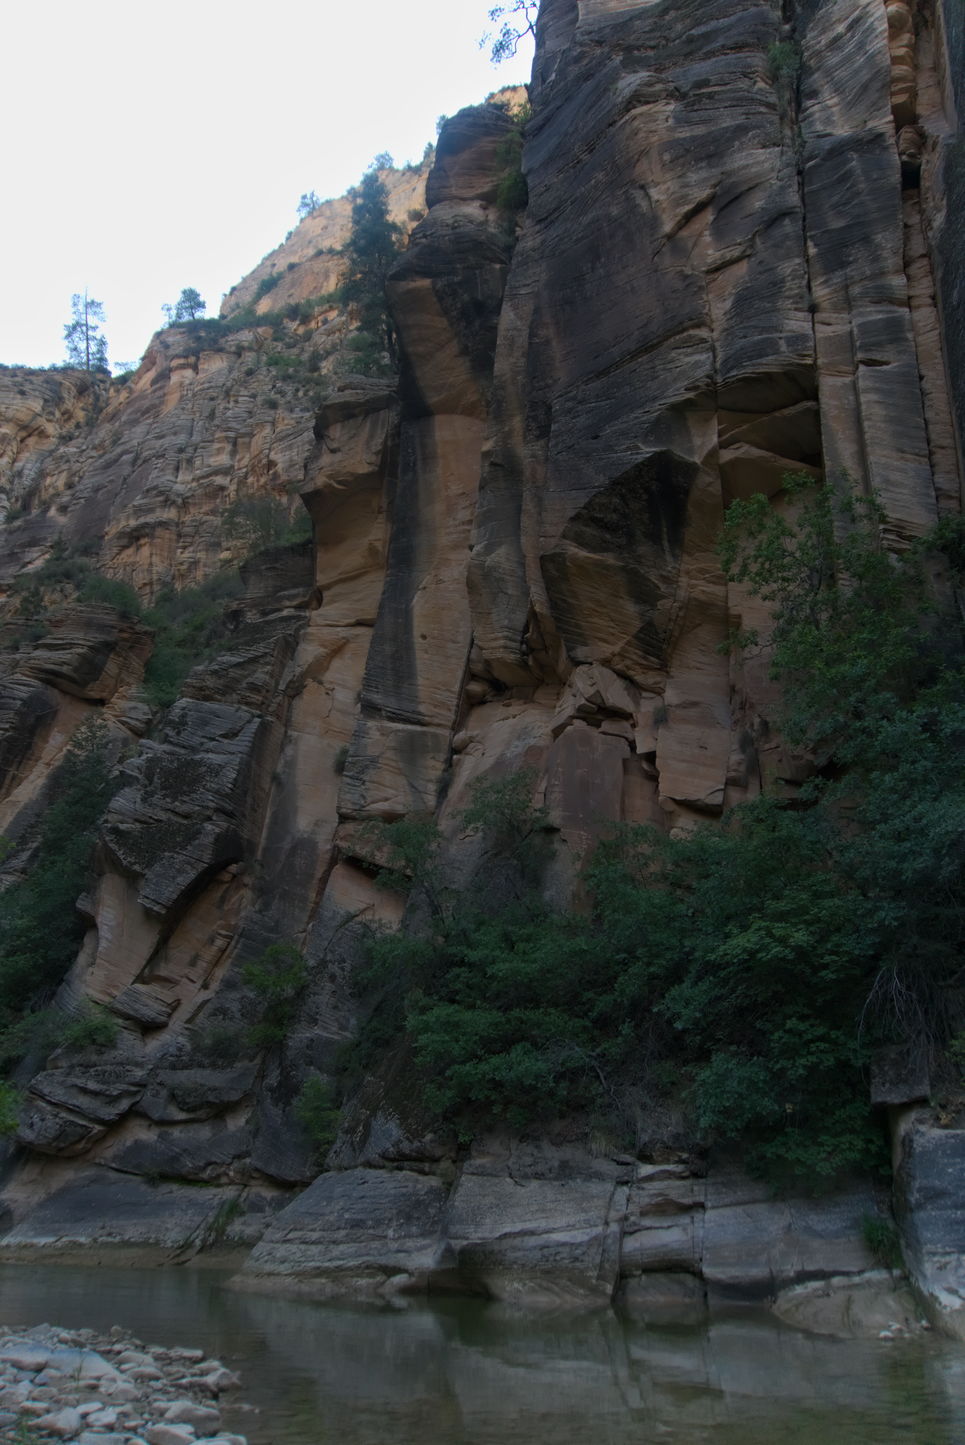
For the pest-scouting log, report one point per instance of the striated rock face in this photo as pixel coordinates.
(540, 1225)
(929, 1206)
(39, 410)
(739, 258)
(942, 46)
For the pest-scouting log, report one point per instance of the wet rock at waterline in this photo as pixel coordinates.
(537, 1226)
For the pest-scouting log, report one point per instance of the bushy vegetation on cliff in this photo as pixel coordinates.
(40, 927)
(752, 969)
(373, 246)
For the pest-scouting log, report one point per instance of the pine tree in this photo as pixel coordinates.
(86, 344)
(188, 307)
(372, 248)
(308, 204)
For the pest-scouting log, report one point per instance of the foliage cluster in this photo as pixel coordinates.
(372, 248)
(784, 61)
(757, 964)
(265, 285)
(10, 1102)
(70, 568)
(318, 1113)
(883, 1240)
(189, 626)
(261, 522)
(513, 193)
(44, 1029)
(277, 978)
(40, 928)
(514, 20)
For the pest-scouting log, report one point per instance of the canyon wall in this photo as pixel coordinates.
(739, 259)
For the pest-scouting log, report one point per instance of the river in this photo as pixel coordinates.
(462, 1373)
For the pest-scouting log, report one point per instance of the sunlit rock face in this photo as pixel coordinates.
(739, 259)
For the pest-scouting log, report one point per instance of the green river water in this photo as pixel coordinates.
(462, 1373)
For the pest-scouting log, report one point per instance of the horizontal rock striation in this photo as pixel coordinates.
(550, 1226)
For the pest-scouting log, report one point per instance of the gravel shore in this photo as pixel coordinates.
(77, 1386)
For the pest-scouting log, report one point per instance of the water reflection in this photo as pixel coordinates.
(462, 1374)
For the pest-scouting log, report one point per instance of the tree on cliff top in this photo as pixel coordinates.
(308, 203)
(86, 344)
(188, 307)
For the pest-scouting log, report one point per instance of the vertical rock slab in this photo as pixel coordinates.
(657, 311)
(345, 491)
(949, 243)
(872, 417)
(445, 295)
(928, 1193)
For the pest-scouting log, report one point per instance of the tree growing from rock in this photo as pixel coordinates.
(514, 22)
(308, 202)
(86, 343)
(189, 307)
(371, 250)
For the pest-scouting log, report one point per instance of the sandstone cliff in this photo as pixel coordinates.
(738, 259)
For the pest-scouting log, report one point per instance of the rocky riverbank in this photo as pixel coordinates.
(74, 1385)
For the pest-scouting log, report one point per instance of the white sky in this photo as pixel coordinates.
(157, 144)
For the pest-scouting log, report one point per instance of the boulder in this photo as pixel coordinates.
(356, 1232)
(537, 1225)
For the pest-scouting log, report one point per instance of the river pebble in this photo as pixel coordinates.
(84, 1389)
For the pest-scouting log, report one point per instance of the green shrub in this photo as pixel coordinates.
(284, 362)
(784, 62)
(883, 1241)
(207, 330)
(512, 192)
(40, 928)
(266, 284)
(39, 1031)
(189, 626)
(11, 1101)
(364, 354)
(278, 979)
(64, 567)
(96, 588)
(95, 1027)
(262, 522)
(219, 1042)
(70, 567)
(317, 1113)
(28, 634)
